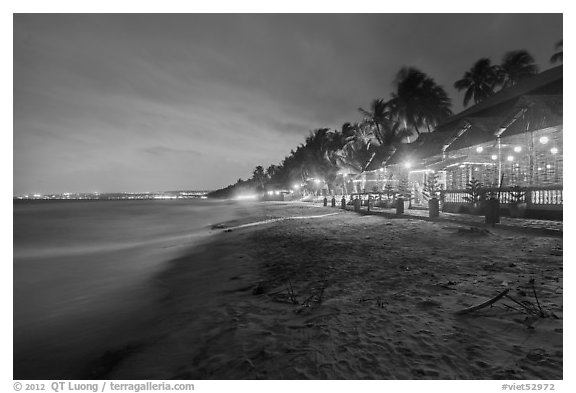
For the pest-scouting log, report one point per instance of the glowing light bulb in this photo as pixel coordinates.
(494, 157)
(544, 140)
(510, 158)
(479, 149)
(554, 150)
(517, 149)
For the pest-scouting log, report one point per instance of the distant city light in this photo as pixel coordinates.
(381, 169)
(548, 166)
(317, 181)
(554, 150)
(296, 186)
(270, 192)
(510, 158)
(494, 157)
(479, 149)
(544, 140)
(539, 168)
(517, 149)
(277, 192)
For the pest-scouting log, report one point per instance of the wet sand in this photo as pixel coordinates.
(346, 296)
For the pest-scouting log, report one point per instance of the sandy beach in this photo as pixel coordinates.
(346, 296)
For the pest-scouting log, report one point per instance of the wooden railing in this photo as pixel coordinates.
(546, 196)
(534, 196)
(384, 195)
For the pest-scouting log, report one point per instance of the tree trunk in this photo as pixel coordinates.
(417, 130)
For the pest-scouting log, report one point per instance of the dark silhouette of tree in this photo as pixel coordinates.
(516, 66)
(347, 131)
(478, 82)
(356, 153)
(557, 57)
(319, 160)
(417, 101)
(271, 171)
(259, 177)
(379, 113)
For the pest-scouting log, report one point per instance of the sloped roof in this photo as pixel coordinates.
(539, 111)
(427, 145)
(482, 129)
(549, 82)
(533, 103)
(380, 158)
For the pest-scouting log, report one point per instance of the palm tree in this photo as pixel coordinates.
(479, 81)
(557, 57)
(418, 101)
(318, 155)
(435, 104)
(354, 155)
(379, 113)
(359, 132)
(272, 171)
(259, 177)
(516, 65)
(346, 131)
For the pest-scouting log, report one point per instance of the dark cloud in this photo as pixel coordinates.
(98, 92)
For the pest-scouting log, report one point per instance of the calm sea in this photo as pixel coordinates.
(83, 268)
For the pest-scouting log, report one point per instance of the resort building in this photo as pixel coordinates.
(512, 141)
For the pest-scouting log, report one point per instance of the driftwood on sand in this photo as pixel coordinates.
(485, 304)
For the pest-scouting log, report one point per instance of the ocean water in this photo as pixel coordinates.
(83, 269)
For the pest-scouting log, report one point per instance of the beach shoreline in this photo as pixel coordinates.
(347, 296)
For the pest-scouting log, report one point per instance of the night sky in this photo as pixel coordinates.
(172, 102)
